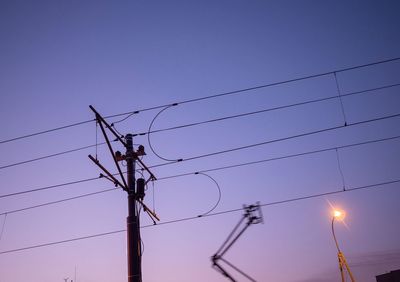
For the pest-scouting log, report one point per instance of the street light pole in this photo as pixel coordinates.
(341, 258)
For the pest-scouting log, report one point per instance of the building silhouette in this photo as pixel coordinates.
(392, 276)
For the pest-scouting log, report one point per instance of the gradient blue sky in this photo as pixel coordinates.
(58, 57)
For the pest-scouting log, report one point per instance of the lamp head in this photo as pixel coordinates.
(338, 214)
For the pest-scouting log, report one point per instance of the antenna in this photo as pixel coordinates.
(135, 192)
(252, 218)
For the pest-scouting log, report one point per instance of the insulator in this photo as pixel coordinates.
(140, 185)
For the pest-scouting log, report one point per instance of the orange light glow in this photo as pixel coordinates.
(339, 215)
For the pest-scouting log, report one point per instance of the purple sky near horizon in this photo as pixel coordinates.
(59, 57)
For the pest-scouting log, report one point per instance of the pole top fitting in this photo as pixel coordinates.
(129, 142)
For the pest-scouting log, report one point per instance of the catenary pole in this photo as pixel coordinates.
(133, 225)
(135, 191)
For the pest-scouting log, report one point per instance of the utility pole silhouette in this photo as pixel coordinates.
(252, 218)
(135, 190)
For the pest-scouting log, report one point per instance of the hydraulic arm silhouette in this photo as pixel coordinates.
(253, 215)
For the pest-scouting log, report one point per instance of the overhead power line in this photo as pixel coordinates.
(207, 170)
(48, 187)
(59, 201)
(286, 201)
(223, 118)
(266, 110)
(270, 85)
(227, 151)
(281, 157)
(127, 114)
(63, 241)
(45, 131)
(51, 155)
(276, 140)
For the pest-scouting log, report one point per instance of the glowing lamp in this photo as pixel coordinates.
(338, 214)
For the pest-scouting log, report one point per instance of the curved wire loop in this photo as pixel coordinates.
(149, 132)
(128, 116)
(219, 194)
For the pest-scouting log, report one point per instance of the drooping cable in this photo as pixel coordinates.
(116, 130)
(219, 193)
(286, 201)
(149, 130)
(128, 116)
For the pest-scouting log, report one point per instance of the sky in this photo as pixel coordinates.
(59, 57)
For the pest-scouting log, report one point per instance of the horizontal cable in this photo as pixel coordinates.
(51, 156)
(290, 200)
(48, 187)
(281, 157)
(288, 81)
(225, 151)
(209, 121)
(206, 97)
(45, 131)
(221, 168)
(59, 201)
(63, 241)
(268, 109)
(276, 140)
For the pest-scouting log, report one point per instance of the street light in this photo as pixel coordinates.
(340, 215)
